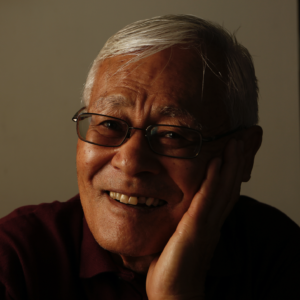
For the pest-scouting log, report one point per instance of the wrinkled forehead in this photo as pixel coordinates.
(177, 77)
(159, 71)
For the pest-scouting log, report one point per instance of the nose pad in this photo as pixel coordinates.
(130, 131)
(128, 135)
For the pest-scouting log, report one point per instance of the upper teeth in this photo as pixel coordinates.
(135, 200)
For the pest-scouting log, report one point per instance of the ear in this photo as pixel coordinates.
(252, 138)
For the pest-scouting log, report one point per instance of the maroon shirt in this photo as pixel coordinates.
(48, 252)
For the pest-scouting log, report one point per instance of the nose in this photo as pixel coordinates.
(135, 156)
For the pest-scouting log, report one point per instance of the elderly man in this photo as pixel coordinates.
(167, 135)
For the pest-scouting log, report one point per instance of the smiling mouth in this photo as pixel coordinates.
(136, 201)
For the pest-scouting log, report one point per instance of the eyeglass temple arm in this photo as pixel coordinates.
(219, 136)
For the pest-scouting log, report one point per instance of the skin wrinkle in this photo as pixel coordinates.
(112, 105)
(190, 122)
(134, 168)
(167, 63)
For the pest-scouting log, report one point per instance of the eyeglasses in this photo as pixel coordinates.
(167, 140)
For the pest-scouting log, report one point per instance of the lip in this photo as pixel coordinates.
(133, 208)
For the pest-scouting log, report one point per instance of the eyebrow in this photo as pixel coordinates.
(113, 101)
(178, 112)
(111, 104)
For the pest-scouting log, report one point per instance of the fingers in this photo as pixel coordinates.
(187, 255)
(218, 193)
(230, 182)
(236, 183)
(220, 189)
(198, 214)
(202, 202)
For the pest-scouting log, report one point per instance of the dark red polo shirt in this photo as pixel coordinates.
(48, 252)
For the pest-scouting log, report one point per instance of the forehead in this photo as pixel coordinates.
(170, 81)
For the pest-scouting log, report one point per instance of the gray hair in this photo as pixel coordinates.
(147, 37)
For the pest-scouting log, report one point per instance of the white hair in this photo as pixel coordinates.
(147, 37)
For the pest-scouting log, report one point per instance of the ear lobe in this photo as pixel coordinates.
(252, 138)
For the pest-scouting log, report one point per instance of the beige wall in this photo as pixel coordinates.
(46, 50)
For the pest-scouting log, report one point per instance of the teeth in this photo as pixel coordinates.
(124, 198)
(150, 201)
(142, 200)
(155, 202)
(133, 200)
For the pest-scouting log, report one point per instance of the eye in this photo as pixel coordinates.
(172, 135)
(113, 125)
(167, 134)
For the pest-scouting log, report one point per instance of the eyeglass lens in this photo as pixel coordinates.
(163, 139)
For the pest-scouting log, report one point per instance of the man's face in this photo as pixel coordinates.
(155, 90)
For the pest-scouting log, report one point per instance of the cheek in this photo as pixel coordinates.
(90, 159)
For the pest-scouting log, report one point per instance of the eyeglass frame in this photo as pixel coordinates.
(129, 128)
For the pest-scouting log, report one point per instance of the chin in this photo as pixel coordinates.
(129, 254)
(126, 231)
(130, 245)
(127, 237)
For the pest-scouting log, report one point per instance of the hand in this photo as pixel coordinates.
(180, 270)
